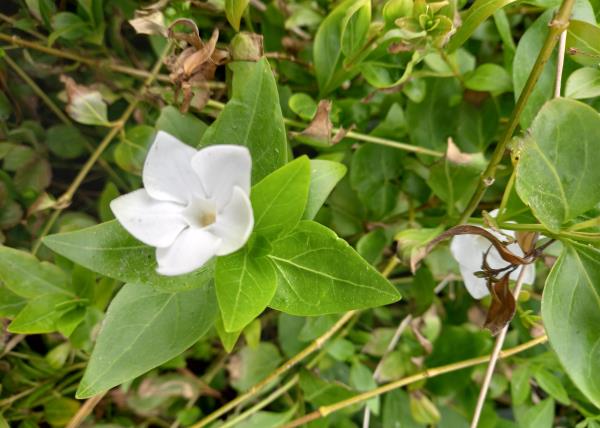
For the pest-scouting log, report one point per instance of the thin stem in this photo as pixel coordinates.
(562, 43)
(315, 345)
(352, 134)
(61, 115)
(94, 63)
(66, 198)
(85, 410)
(263, 403)
(401, 327)
(494, 358)
(557, 26)
(211, 103)
(426, 374)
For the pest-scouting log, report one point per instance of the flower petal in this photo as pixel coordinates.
(168, 173)
(155, 223)
(190, 251)
(234, 223)
(475, 286)
(221, 167)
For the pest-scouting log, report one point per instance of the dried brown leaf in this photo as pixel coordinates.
(503, 306)
(454, 155)
(467, 229)
(320, 127)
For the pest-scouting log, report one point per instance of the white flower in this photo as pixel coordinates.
(194, 204)
(468, 250)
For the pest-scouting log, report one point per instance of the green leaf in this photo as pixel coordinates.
(477, 14)
(539, 416)
(65, 141)
(58, 411)
(255, 364)
(455, 180)
(320, 392)
(396, 410)
(245, 285)
(489, 78)
(527, 51)
(131, 152)
(558, 174)
(27, 277)
(319, 273)
(324, 175)
(552, 385)
(184, 126)
(571, 314)
(10, 303)
(234, 10)
(434, 119)
(111, 251)
(144, 328)
(374, 175)
(355, 26)
(253, 118)
(327, 51)
(583, 83)
(303, 105)
(279, 200)
(520, 387)
(268, 419)
(228, 340)
(583, 40)
(40, 314)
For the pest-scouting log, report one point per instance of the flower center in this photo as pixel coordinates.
(200, 213)
(207, 218)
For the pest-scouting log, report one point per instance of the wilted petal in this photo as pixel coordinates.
(190, 251)
(168, 173)
(475, 286)
(221, 167)
(234, 223)
(155, 223)
(469, 250)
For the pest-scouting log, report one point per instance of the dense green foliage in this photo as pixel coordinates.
(373, 127)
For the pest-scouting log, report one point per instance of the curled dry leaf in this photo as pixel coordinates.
(84, 105)
(148, 22)
(466, 229)
(503, 306)
(320, 127)
(527, 240)
(194, 65)
(454, 155)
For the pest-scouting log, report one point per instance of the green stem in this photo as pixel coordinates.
(426, 374)
(63, 117)
(557, 26)
(351, 134)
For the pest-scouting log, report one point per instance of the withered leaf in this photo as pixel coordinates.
(194, 62)
(503, 306)
(320, 127)
(526, 240)
(467, 229)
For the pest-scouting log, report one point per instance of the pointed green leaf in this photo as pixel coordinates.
(324, 175)
(472, 18)
(111, 251)
(234, 10)
(571, 314)
(319, 273)
(558, 174)
(27, 277)
(253, 118)
(279, 200)
(245, 285)
(144, 328)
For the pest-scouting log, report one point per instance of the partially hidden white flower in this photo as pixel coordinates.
(194, 204)
(469, 250)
